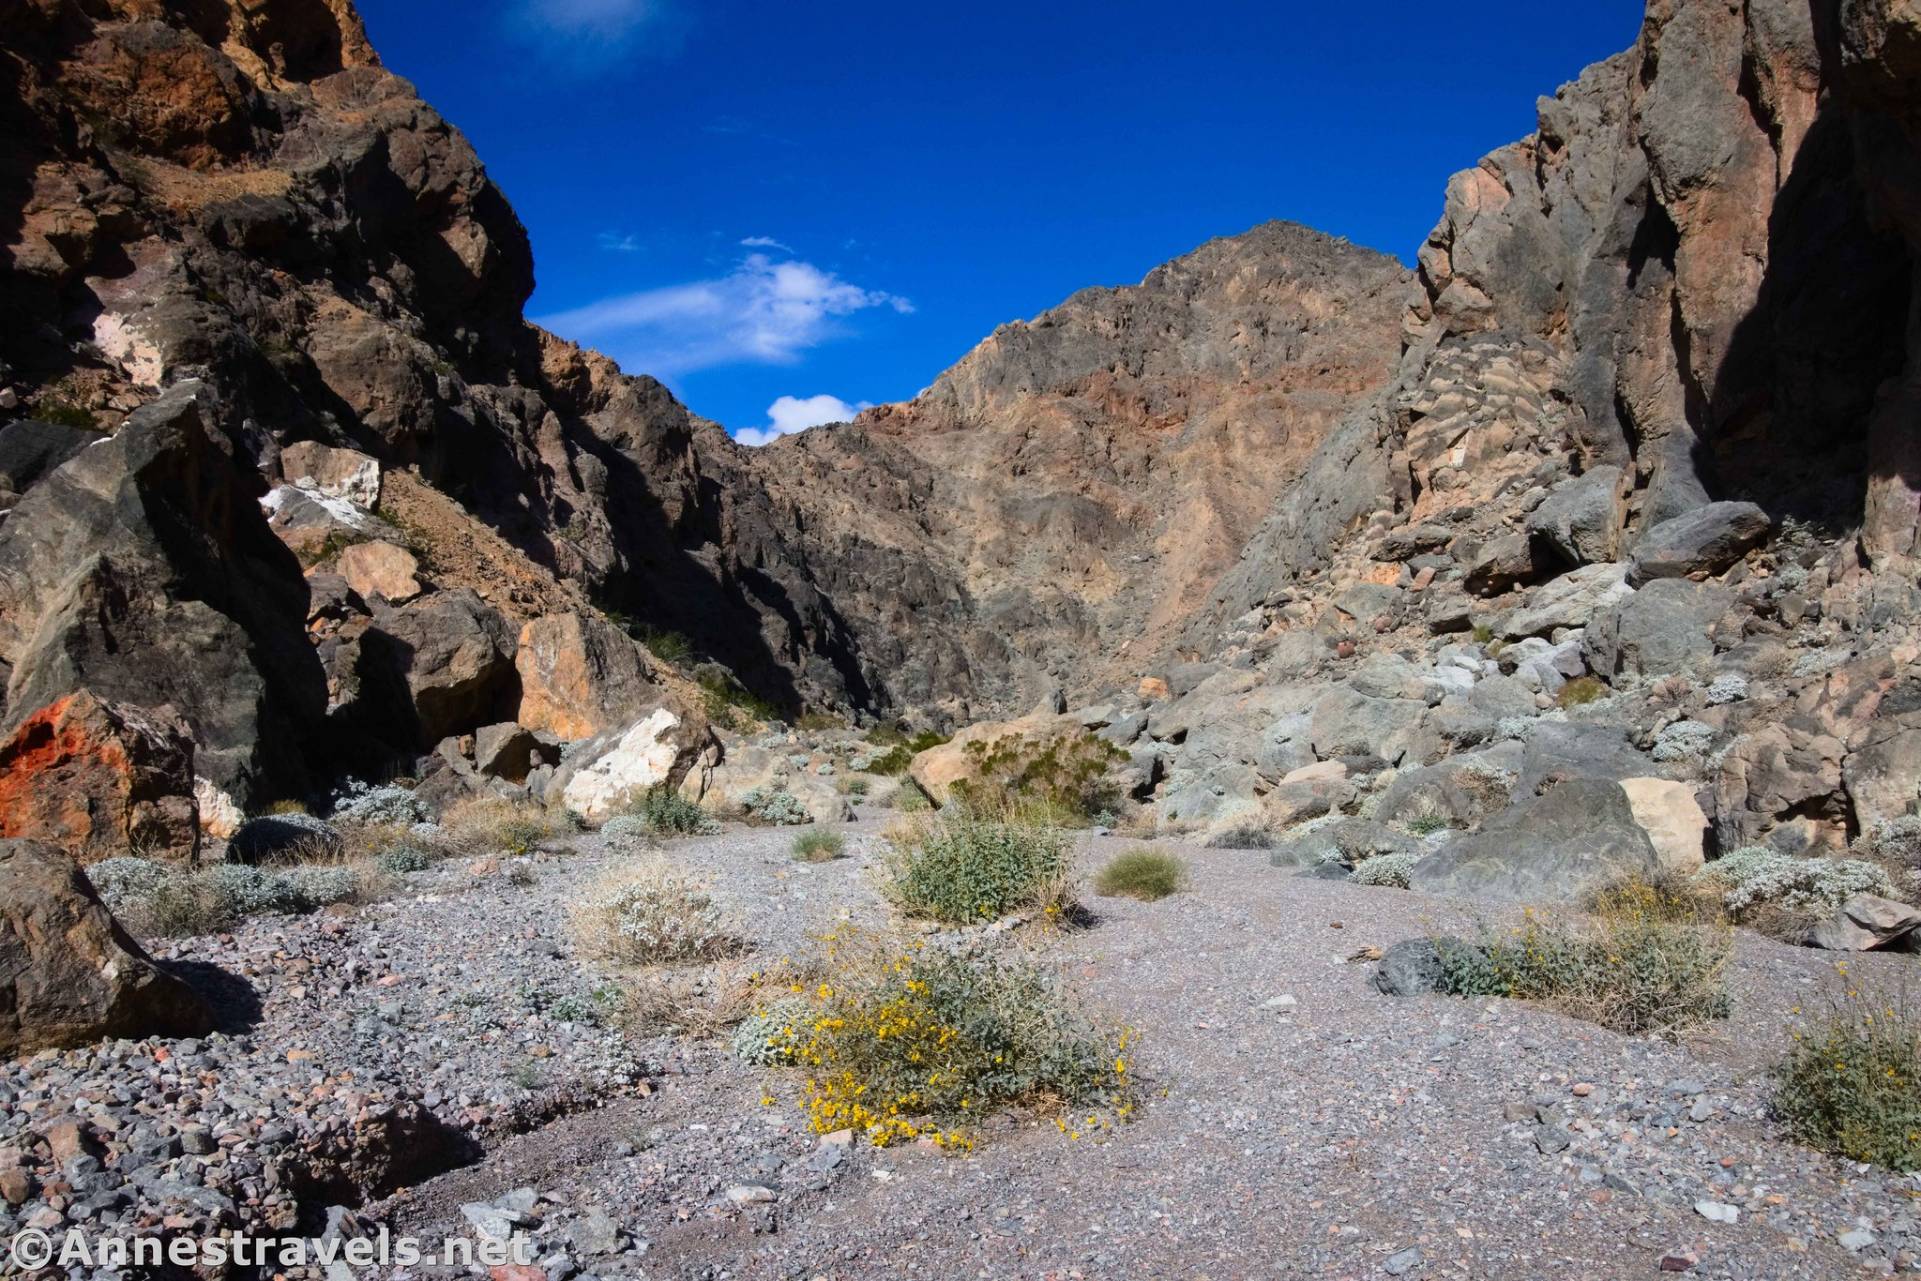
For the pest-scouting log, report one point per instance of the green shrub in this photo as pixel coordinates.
(909, 799)
(1851, 1084)
(729, 704)
(855, 787)
(668, 646)
(155, 899)
(1482, 633)
(402, 859)
(962, 868)
(1246, 837)
(1646, 961)
(1144, 874)
(893, 762)
(66, 413)
(667, 813)
(918, 1045)
(1581, 691)
(768, 1036)
(1427, 824)
(818, 846)
(1067, 773)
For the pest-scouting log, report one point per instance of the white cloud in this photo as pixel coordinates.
(619, 243)
(764, 242)
(594, 36)
(762, 312)
(599, 20)
(792, 414)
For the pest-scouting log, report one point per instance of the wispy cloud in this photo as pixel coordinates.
(618, 242)
(791, 414)
(764, 242)
(594, 32)
(762, 312)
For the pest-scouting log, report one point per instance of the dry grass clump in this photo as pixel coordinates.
(1581, 691)
(1145, 874)
(916, 1044)
(1066, 774)
(1649, 957)
(1851, 1084)
(493, 825)
(964, 868)
(817, 846)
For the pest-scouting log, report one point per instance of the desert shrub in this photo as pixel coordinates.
(1389, 870)
(669, 647)
(123, 882)
(909, 799)
(521, 874)
(385, 803)
(768, 1036)
(819, 722)
(774, 806)
(494, 825)
(653, 913)
(1581, 691)
(403, 859)
(819, 846)
(1246, 837)
(1067, 773)
(1895, 844)
(668, 813)
(922, 1044)
(1144, 874)
(1488, 786)
(284, 837)
(154, 899)
(65, 413)
(728, 703)
(1851, 1083)
(1428, 824)
(1683, 741)
(893, 762)
(1482, 633)
(1641, 963)
(628, 828)
(1754, 879)
(963, 868)
(855, 787)
(1729, 687)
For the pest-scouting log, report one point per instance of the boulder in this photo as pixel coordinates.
(1572, 600)
(511, 751)
(1780, 783)
(1341, 844)
(1662, 629)
(1463, 789)
(454, 654)
(100, 780)
(313, 525)
(1557, 751)
(580, 676)
(1868, 923)
(1411, 967)
(338, 473)
(143, 570)
(291, 837)
(30, 450)
(609, 771)
(1579, 523)
(1672, 819)
(1883, 773)
(1505, 561)
(380, 571)
(1704, 541)
(1578, 838)
(68, 973)
(747, 767)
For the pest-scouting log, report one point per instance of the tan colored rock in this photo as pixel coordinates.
(1673, 820)
(744, 767)
(1867, 923)
(1318, 772)
(580, 676)
(1152, 689)
(381, 570)
(337, 473)
(604, 775)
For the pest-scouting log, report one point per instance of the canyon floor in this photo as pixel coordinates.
(1297, 1121)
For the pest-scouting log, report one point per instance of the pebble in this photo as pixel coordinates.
(1717, 1211)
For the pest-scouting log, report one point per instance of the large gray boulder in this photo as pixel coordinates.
(1579, 523)
(1556, 848)
(68, 973)
(1664, 628)
(1572, 600)
(1706, 540)
(454, 653)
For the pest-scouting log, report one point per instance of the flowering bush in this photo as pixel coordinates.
(918, 1045)
(1851, 1085)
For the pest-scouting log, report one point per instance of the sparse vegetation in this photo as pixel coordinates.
(1482, 633)
(490, 825)
(1581, 691)
(652, 913)
(1065, 773)
(856, 787)
(1427, 824)
(1390, 871)
(1649, 958)
(962, 868)
(1245, 837)
(1781, 892)
(728, 703)
(819, 846)
(666, 812)
(774, 806)
(1145, 874)
(1851, 1084)
(920, 1045)
(160, 900)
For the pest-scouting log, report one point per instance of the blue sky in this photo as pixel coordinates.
(784, 209)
